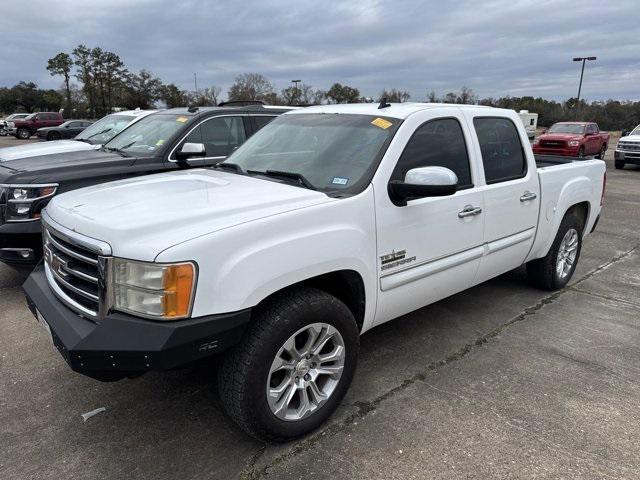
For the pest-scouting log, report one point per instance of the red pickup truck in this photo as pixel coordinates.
(27, 126)
(572, 139)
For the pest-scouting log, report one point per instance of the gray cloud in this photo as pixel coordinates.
(497, 47)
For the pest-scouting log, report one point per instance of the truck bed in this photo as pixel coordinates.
(543, 161)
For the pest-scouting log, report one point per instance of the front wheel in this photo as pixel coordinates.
(53, 136)
(23, 134)
(554, 271)
(293, 366)
(581, 152)
(619, 164)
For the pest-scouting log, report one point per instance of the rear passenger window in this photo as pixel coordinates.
(502, 155)
(261, 121)
(220, 135)
(437, 143)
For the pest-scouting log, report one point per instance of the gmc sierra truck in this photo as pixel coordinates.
(329, 221)
(628, 149)
(573, 139)
(154, 144)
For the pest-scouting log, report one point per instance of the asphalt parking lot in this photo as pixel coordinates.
(500, 381)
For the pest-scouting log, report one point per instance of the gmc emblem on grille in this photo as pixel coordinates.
(58, 266)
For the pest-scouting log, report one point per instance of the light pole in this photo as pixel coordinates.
(297, 92)
(583, 60)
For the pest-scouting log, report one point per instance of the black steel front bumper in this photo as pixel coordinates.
(120, 345)
(632, 158)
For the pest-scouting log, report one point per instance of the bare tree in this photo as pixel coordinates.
(394, 95)
(251, 86)
(61, 65)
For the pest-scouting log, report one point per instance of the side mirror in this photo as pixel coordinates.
(423, 182)
(190, 150)
(625, 133)
(543, 131)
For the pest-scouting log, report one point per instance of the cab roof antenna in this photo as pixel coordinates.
(383, 103)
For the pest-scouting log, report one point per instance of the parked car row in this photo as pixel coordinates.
(307, 228)
(153, 141)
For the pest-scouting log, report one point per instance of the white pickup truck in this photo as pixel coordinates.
(329, 221)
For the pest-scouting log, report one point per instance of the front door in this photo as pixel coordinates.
(511, 194)
(430, 248)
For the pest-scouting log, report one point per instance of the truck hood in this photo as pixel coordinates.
(37, 149)
(565, 137)
(630, 138)
(141, 217)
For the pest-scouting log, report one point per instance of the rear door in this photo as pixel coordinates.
(511, 193)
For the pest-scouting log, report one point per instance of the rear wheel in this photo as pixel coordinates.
(293, 366)
(603, 152)
(619, 164)
(23, 134)
(554, 271)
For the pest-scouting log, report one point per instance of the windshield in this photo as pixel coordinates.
(335, 153)
(17, 116)
(105, 129)
(636, 131)
(148, 135)
(575, 128)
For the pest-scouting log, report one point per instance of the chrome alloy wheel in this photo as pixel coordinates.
(305, 371)
(567, 253)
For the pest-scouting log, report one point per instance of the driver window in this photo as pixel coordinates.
(437, 143)
(220, 135)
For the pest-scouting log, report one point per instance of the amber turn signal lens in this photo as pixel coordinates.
(178, 289)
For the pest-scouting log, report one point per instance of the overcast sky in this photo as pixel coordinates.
(499, 47)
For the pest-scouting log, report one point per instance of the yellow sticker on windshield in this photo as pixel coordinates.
(182, 119)
(159, 142)
(382, 123)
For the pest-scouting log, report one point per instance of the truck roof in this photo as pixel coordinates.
(250, 108)
(395, 110)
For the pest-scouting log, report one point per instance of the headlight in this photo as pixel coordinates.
(25, 202)
(163, 292)
(574, 143)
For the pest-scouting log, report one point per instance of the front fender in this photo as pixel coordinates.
(241, 266)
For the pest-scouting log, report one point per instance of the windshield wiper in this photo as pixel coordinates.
(118, 150)
(95, 134)
(233, 167)
(300, 179)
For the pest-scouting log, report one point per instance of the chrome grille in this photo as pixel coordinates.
(629, 146)
(76, 271)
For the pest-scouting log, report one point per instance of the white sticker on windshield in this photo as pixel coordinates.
(339, 181)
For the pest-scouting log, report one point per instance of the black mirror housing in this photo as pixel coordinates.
(401, 192)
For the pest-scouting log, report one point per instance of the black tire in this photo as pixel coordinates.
(542, 272)
(244, 371)
(23, 134)
(53, 136)
(581, 152)
(619, 164)
(603, 152)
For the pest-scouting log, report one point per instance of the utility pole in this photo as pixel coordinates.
(295, 84)
(195, 82)
(583, 60)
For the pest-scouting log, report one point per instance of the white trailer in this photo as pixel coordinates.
(530, 122)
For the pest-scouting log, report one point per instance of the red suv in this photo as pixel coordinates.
(26, 127)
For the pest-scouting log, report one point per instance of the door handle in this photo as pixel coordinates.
(469, 211)
(526, 196)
